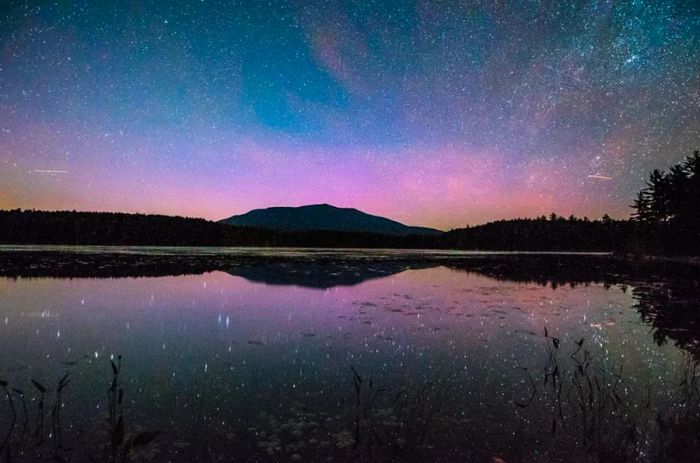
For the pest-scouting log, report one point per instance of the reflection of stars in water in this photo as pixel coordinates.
(472, 336)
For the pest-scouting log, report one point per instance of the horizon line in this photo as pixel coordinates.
(536, 217)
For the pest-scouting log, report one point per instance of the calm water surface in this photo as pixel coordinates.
(431, 364)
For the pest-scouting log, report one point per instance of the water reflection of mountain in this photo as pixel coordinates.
(666, 293)
(321, 275)
(322, 271)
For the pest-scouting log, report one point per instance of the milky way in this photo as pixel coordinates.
(432, 113)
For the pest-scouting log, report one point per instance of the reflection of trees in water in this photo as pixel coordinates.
(320, 275)
(590, 418)
(666, 292)
(666, 296)
(672, 308)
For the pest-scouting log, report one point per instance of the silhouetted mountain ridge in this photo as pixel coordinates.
(324, 217)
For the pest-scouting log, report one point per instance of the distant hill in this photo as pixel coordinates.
(324, 217)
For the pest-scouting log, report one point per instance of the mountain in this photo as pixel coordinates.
(324, 217)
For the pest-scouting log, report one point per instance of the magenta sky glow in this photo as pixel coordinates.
(431, 115)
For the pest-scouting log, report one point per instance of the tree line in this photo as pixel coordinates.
(121, 229)
(666, 220)
(553, 233)
(667, 210)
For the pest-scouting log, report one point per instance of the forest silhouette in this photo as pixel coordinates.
(667, 211)
(665, 220)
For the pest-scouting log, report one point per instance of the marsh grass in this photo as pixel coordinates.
(20, 439)
(45, 439)
(398, 421)
(599, 414)
(679, 426)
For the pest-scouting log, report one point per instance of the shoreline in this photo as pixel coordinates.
(106, 262)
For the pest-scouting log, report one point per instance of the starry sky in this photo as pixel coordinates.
(436, 113)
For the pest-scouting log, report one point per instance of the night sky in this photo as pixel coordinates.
(432, 113)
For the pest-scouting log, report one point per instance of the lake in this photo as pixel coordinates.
(296, 355)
